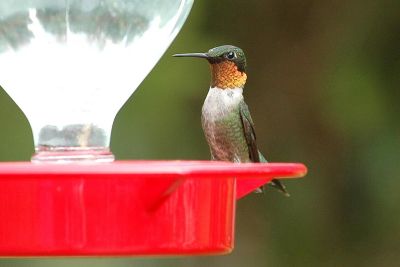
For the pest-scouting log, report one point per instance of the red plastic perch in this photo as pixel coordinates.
(126, 207)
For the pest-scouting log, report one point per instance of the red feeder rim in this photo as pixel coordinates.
(126, 207)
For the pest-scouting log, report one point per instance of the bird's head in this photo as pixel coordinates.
(228, 66)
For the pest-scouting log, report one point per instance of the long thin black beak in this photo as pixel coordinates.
(200, 55)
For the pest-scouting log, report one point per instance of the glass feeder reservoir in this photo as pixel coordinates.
(71, 64)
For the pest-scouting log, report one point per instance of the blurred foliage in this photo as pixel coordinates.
(323, 87)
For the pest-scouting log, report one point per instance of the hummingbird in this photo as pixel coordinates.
(225, 118)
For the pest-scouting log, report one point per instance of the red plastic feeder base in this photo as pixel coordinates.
(126, 207)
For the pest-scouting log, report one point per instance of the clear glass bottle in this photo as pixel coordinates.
(71, 64)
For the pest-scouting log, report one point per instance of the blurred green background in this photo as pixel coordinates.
(323, 89)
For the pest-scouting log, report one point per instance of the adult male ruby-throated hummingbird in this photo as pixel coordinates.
(226, 119)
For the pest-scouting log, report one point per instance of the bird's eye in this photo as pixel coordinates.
(231, 55)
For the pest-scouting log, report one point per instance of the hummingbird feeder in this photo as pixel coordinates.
(70, 66)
